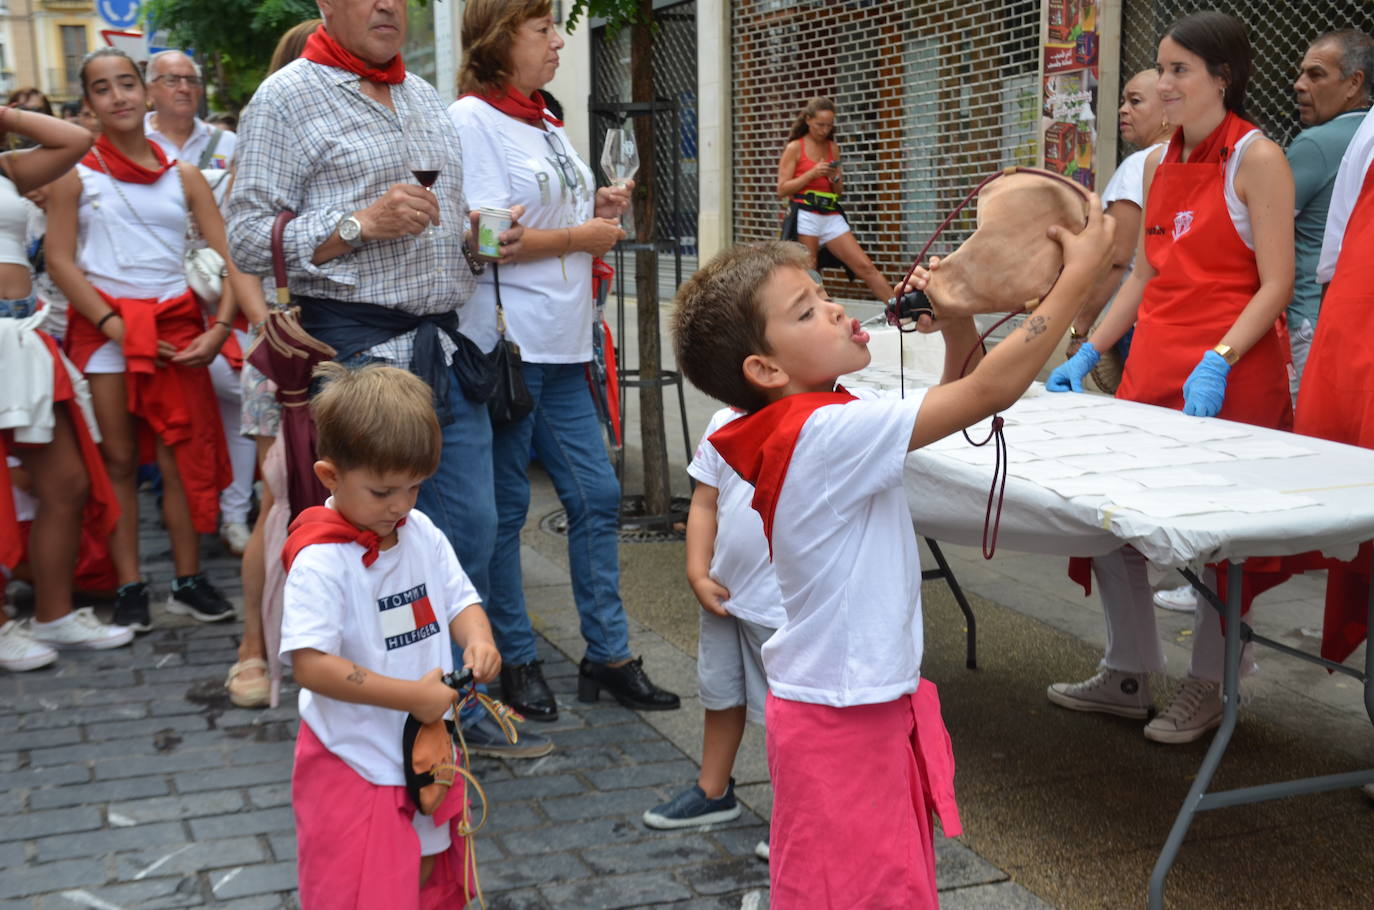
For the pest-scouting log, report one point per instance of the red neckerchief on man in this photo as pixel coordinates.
(121, 167)
(321, 48)
(321, 524)
(530, 109)
(759, 446)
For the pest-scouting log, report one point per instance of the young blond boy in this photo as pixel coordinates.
(857, 751)
(373, 594)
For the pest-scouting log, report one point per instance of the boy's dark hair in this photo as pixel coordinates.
(378, 418)
(718, 319)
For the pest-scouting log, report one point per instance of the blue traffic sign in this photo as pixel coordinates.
(120, 13)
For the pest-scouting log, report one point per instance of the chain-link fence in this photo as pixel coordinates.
(1280, 33)
(931, 96)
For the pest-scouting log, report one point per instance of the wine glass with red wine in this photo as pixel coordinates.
(424, 150)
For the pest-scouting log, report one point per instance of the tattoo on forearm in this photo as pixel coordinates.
(358, 675)
(1034, 326)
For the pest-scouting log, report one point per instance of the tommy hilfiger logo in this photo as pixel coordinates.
(407, 618)
(1183, 222)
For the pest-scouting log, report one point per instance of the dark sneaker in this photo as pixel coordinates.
(131, 607)
(627, 683)
(692, 807)
(485, 738)
(193, 596)
(524, 689)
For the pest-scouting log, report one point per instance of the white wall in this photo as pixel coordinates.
(572, 85)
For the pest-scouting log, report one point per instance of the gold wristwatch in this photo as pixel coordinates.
(1227, 353)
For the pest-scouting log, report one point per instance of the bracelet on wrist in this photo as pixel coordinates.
(100, 325)
(227, 325)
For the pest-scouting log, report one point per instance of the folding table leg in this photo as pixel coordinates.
(971, 658)
(1230, 708)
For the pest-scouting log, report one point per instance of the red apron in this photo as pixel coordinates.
(1205, 276)
(1336, 402)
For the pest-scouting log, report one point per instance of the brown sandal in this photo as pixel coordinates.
(253, 692)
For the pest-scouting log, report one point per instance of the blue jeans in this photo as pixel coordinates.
(566, 437)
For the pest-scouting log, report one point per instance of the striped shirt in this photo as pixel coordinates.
(311, 142)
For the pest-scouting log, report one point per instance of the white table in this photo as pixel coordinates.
(947, 490)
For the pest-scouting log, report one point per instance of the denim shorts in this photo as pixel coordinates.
(19, 309)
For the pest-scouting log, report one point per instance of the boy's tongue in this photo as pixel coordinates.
(860, 335)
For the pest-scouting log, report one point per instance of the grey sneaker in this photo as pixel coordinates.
(485, 738)
(692, 807)
(1196, 708)
(1109, 692)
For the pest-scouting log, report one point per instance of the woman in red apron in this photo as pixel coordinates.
(1214, 271)
(809, 178)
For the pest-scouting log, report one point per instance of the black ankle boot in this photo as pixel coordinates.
(627, 683)
(524, 689)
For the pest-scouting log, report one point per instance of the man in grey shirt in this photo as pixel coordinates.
(1332, 91)
(325, 138)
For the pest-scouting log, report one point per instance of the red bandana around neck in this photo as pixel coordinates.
(120, 167)
(759, 446)
(1215, 148)
(321, 524)
(531, 109)
(321, 48)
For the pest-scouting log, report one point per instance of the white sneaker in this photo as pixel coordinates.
(234, 535)
(761, 850)
(1109, 692)
(1180, 600)
(19, 652)
(1196, 708)
(80, 630)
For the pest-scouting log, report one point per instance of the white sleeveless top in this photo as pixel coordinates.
(115, 250)
(14, 224)
(1240, 213)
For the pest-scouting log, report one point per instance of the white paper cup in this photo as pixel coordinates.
(491, 222)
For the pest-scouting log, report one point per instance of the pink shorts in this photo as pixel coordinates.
(853, 794)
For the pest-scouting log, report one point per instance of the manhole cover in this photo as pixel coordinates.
(634, 526)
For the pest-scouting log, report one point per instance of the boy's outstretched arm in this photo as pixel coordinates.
(1009, 368)
(472, 631)
(334, 677)
(701, 546)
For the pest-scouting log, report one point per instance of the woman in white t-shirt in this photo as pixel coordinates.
(516, 153)
(1141, 123)
(117, 235)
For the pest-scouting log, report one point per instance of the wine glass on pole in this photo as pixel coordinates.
(424, 151)
(619, 162)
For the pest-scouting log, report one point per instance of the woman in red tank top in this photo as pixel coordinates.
(809, 178)
(1214, 269)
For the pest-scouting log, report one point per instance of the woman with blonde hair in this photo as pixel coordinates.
(809, 178)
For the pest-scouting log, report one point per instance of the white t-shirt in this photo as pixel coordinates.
(391, 618)
(845, 556)
(739, 560)
(196, 144)
(1128, 183)
(115, 249)
(548, 302)
(1359, 154)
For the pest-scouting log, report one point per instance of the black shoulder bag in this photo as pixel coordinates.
(510, 399)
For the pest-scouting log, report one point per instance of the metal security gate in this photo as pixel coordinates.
(931, 96)
(1280, 33)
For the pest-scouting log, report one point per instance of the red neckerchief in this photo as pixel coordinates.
(321, 524)
(759, 446)
(1215, 148)
(120, 167)
(531, 109)
(321, 48)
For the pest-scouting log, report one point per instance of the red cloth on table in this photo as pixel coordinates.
(101, 511)
(321, 524)
(176, 404)
(356, 842)
(853, 794)
(1336, 402)
(759, 446)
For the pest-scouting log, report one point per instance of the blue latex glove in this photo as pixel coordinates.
(1068, 376)
(1205, 389)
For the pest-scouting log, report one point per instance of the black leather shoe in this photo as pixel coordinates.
(627, 683)
(524, 689)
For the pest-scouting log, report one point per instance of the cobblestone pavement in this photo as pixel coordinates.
(128, 780)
